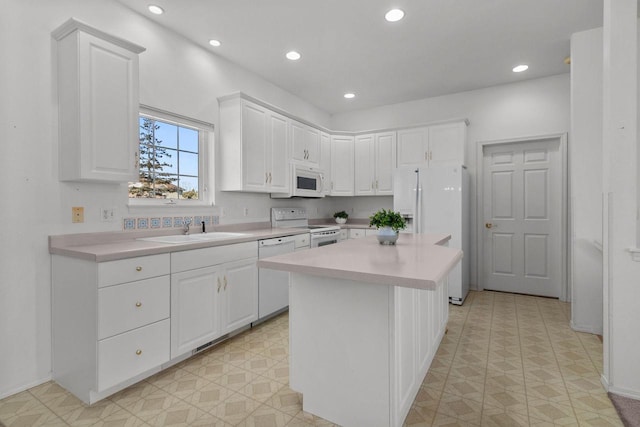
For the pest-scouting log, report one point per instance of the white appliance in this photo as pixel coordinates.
(273, 285)
(305, 182)
(321, 235)
(436, 200)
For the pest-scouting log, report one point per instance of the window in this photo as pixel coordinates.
(172, 158)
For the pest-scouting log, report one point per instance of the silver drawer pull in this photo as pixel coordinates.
(138, 304)
(138, 352)
(138, 268)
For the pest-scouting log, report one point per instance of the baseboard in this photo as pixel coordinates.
(631, 394)
(585, 328)
(24, 387)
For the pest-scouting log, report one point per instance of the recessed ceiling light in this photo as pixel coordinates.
(293, 55)
(520, 68)
(349, 95)
(214, 42)
(394, 15)
(157, 10)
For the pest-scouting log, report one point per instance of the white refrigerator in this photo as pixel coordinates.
(436, 200)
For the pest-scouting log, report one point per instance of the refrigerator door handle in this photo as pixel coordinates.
(416, 205)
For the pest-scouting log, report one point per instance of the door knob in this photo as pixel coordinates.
(488, 225)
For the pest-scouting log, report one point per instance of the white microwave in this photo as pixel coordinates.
(305, 182)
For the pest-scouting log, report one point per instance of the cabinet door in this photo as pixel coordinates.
(194, 309)
(385, 156)
(254, 140)
(278, 167)
(413, 147)
(325, 161)
(447, 143)
(405, 348)
(240, 294)
(364, 165)
(312, 142)
(298, 136)
(342, 166)
(98, 110)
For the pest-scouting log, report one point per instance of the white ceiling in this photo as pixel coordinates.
(440, 47)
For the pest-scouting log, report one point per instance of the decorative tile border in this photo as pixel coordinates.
(167, 222)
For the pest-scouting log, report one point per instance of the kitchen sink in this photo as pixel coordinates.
(192, 238)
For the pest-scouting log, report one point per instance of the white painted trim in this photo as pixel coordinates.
(632, 394)
(564, 290)
(635, 254)
(73, 24)
(278, 110)
(25, 387)
(583, 328)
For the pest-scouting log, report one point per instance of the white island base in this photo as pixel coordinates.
(359, 351)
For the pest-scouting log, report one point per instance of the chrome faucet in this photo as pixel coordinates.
(185, 226)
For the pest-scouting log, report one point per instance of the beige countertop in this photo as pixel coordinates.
(415, 261)
(109, 246)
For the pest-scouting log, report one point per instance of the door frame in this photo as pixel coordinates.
(562, 137)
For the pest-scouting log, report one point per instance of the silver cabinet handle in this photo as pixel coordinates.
(270, 178)
(266, 177)
(225, 283)
(219, 284)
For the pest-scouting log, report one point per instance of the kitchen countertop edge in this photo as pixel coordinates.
(130, 247)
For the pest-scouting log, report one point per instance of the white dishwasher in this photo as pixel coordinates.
(273, 293)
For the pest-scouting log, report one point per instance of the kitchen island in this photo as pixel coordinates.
(365, 321)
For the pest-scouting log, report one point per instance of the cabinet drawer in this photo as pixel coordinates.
(132, 353)
(302, 240)
(356, 233)
(131, 305)
(205, 257)
(131, 269)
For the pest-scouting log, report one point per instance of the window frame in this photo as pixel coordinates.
(205, 160)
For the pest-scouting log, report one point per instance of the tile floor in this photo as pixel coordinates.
(507, 360)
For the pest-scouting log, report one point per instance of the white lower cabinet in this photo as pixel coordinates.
(126, 355)
(194, 307)
(211, 297)
(117, 322)
(110, 323)
(358, 233)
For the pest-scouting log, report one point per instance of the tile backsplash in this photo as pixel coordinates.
(146, 223)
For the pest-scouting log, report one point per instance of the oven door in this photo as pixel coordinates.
(324, 239)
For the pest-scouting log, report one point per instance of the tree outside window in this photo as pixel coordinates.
(168, 161)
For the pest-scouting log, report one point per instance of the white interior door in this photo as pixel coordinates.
(522, 203)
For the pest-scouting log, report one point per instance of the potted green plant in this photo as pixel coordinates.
(341, 217)
(388, 223)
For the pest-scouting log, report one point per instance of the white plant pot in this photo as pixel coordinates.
(341, 220)
(386, 236)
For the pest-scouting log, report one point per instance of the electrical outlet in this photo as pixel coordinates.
(246, 211)
(108, 214)
(77, 214)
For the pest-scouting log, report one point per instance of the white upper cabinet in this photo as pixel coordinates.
(375, 159)
(325, 161)
(342, 177)
(443, 143)
(305, 143)
(254, 147)
(97, 105)
(364, 165)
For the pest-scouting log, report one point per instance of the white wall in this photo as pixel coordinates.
(175, 75)
(528, 108)
(585, 177)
